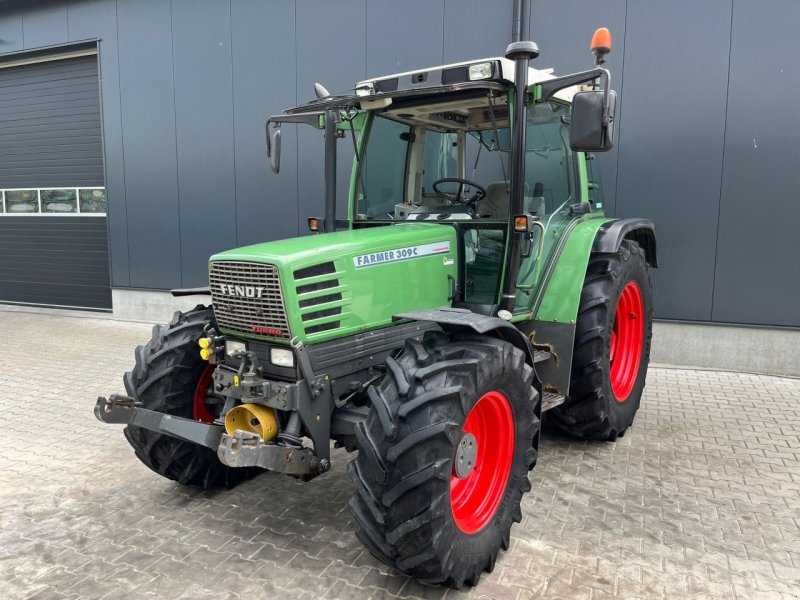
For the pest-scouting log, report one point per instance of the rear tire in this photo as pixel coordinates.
(166, 376)
(612, 346)
(412, 511)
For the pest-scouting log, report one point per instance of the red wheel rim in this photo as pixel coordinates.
(627, 339)
(201, 412)
(475, 498)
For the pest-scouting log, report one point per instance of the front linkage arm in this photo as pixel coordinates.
(127, 411)
(243, 449)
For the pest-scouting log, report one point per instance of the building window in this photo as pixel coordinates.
(93, 201)
(59, 201)
(54, 201)
(22, 201)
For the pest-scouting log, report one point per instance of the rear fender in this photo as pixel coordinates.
(642, 231)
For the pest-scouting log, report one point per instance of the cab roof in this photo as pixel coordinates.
(486, 73)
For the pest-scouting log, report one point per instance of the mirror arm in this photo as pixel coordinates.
(551, 86)
(311, 118)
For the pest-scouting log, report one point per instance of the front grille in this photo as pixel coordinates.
(247, 298)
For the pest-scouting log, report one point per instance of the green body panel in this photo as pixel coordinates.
(562, 293)
(371, 293)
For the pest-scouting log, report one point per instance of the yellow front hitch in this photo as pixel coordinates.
(254, 418)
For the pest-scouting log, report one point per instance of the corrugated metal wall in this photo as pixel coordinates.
(706, 121)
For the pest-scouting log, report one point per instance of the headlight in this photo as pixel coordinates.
(281, 357)
(234, 347)
(480, 71)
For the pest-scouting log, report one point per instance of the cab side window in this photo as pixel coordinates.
(550, 163)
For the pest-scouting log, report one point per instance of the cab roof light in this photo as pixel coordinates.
(480, 71)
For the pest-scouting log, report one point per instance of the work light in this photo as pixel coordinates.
(233, 347)
(281, 357)
(480, 71)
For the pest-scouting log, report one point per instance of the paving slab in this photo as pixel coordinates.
(700, 499)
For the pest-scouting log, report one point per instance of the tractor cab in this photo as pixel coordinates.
(448, 160)
(436, 146)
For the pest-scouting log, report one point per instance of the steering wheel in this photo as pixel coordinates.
(480, 191)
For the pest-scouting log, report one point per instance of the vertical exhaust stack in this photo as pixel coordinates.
(520, 51)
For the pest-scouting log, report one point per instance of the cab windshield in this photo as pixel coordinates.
(410, 151)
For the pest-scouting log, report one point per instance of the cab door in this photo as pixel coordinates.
(553, 184)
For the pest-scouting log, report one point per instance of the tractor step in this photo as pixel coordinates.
(552, 400)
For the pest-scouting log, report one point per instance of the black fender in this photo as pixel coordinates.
(453, 319)
(642, 231)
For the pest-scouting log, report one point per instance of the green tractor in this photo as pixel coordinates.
(474, 284)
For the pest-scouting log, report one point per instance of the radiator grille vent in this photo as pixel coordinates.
(247, 298)
(322, 300)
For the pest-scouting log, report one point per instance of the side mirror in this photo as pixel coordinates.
(274, 149)
(592, 127)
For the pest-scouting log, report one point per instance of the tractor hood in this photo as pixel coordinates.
(325, 286)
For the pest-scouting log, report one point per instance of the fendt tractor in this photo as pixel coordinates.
(474, 284)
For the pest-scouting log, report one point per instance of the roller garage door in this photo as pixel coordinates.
(53, 234)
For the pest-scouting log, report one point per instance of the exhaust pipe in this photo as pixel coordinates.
(520, 52)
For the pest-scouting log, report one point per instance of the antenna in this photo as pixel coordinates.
(321, 91)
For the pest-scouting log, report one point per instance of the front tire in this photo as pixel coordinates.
(170, 377)
(420, 506)
(612, 346)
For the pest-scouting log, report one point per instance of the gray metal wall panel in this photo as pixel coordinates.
(148, 127)
(671, 139)
(54, 260)
(475, 29)
(266, 204)
(321, 50)
(44, 23)
(563, 31)
(50, 133)
(204, 127)
(98, 18)
(758, 278)
(404, 35)
(11, 27)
